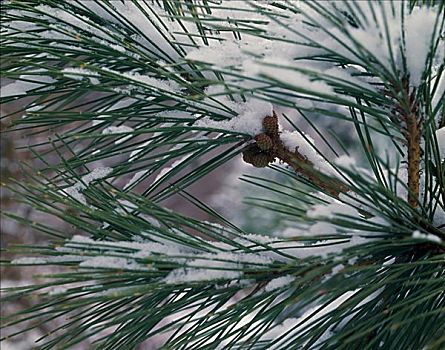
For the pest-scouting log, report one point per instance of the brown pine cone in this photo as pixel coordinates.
(270, 125)
(261, 160)
(263, 142)
(250, 152)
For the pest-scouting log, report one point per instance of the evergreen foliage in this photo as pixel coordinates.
(156, 95)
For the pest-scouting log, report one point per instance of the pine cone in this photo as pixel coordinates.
(263, 142)
(249, 153)
(261, 160)
(270, 125)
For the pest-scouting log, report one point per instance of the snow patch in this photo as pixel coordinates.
(111, 130)
(426, 236)
(278, 283)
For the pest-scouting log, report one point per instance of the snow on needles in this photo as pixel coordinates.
(111, 130)
(426, 236)
(192, 265)
(75, 191)
(304, 145)
(393, 38)
(278, 283)
(24, 84)
(440, 136)
(248, 119)
(419, 37)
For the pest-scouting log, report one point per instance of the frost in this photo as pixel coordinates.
(426, 236)
(278, 283)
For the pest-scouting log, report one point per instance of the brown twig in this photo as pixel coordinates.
(269, 146)
(413, 133)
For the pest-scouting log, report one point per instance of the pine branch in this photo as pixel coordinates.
(144, 99)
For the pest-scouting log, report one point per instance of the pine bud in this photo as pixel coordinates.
(270, 125)
(263, 142)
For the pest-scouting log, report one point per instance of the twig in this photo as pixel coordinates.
(269, 146)
(413, 134)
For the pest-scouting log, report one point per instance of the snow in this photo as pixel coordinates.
(439, 93)
(28, 261)
(221, 54)
(151, 220)
(228, 260)
(96, 174)
(419, 30)
(136, 177)
(140, 148)
(21, 87)
(196, 266)
(156, 31)
(426, 236)
(295, 141)
(141, 249)
(75, 191)
(278, 283)
(108, 262)
(166, 170)
(148, 81)
(287, 72)
(248, 120)
(440, 136)
(57, 290)
(295, 325)
(345, 161)
(328, 210)
(257, 58)
(80, 74)
(112, 130)
(185, 275)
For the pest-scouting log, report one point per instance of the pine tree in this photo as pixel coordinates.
(341, 244)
